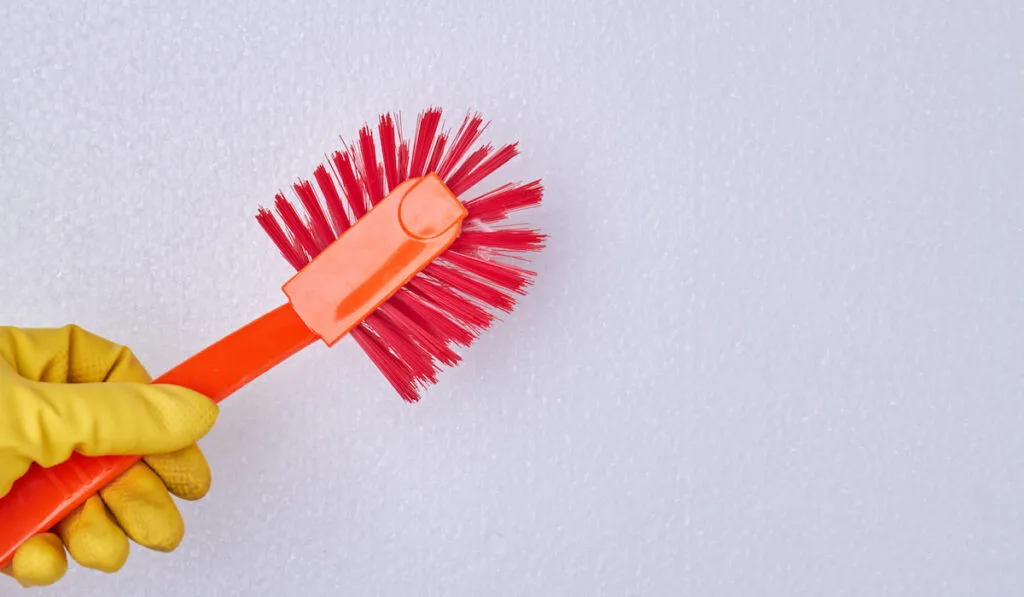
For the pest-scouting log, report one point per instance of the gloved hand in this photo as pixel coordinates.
(64, 390)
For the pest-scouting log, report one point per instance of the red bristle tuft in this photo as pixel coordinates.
(465, 284)
(421, 333)
(395, 371)
(435, 156)
(319, 227)
(335, 206)
(499, 203)
(443, 326)
(426, 127)
(389, 150)
(291, 251)
(468, 133)
(393, 336)
(369, 171)
(506, 276)
(292, 221)
(455, 178)
(448, 301)
(354, 192)
(505, 240)
(488, 167)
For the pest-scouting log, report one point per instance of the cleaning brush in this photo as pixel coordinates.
(454, 298)
(386, 250)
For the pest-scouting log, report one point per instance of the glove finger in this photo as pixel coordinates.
(93, 538)
(68, 354)
(185, 472)
(114, 418)
(142, 506)
(39, 562)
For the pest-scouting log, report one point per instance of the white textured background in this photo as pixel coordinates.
(776, 347)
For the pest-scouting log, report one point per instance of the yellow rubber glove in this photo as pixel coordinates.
(64, 390)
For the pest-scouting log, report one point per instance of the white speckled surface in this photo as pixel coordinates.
(777, 343)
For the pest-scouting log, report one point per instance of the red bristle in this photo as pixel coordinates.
(478, 290)
(468, 133)
(403, 162)
(369, 171)
(506, 276)
(395, 371)
(435, 320)
(426, 127)
(318, 225)
(455, 178)
(499, 203)
(294, 224)
(335, 206)
(292, 253)
(421, 333)
(435, 156)
(513, 240)
(488, 167)
(350, 184)
(389, 150)
(394, 337)
(403, 151)
(448, 301)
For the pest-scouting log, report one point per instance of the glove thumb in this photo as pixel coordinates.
(105, 419)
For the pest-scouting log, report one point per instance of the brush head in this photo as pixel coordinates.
(453, 300)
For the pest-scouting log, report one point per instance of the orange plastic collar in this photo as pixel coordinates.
(406, 231)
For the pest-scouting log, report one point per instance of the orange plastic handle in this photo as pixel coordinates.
(392, 243)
